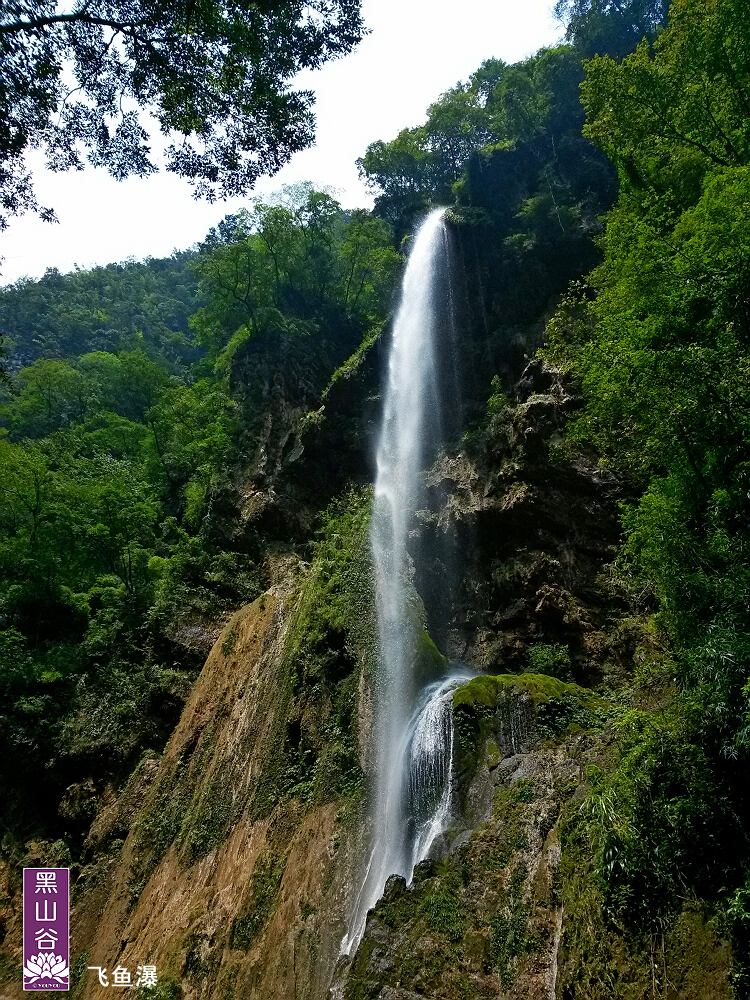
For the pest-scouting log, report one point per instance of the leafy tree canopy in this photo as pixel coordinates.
(610, 27)
(297, 266)
(666, 117)
(118, 307)
(510, 133)
(214, 76)
(659, 337)
(121, 441)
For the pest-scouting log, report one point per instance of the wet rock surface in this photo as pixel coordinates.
(528, 533)
(524, 531)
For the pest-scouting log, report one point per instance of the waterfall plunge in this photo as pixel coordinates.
(414, 735)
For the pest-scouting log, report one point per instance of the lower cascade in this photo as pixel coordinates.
(413, 728)
(427, 764)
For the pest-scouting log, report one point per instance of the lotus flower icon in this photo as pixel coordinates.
(45, 966)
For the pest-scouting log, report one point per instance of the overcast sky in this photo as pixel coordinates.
(416, 51)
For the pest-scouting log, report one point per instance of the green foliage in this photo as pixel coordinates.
(551, 659)
(367, 264)
(120, 307)
(265, 886)
(121, 709)
(216, 78)
(442, 913)
(109, 466)
(683, 107)
(523, 790)
(400, 172)
(656, 823)
(352, 364)
(195, 581)
(611, 27)
(659, 342)
(508, 937)
(290, 269)
(166, 989)
(31, 690)
(334, 632)
(507, 146)
(335, 622)
(605, 954)
(117, 464)
(737, 922)
(495, 433)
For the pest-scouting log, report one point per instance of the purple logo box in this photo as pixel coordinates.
(46, 915)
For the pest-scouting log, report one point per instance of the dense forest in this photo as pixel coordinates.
(599, 196)
(120, 440)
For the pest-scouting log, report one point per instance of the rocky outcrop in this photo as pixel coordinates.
(525, 531)
(508, 905)
(486, 920)
(312, 430)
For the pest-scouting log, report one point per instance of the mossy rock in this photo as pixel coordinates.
(494, 754)
(488, 691)
(430, 662)
(498, 716)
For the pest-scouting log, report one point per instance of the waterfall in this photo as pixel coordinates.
(413, 730)
(428, 763)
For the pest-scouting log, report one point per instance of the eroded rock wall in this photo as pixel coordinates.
(232, 880)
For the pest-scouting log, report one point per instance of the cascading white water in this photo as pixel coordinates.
(428, 762)
(414, 744)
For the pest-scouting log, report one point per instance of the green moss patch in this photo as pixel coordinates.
(487, 691)
(335, 626)
(351, 367)
(332, 638)
(266, 882)
(442, 913)
(430, 662)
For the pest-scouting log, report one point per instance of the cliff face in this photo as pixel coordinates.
(233, 879)
(511, 904)
(525, 533)
(512, 909)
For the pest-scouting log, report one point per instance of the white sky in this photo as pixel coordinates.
(416, 51)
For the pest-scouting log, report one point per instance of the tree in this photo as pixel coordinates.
(456, 125)
(50, 394)
(215, 76)
(243, 274)
(663, 350)
(688, 102)
(368, 263)
(611, 27)
(118, 307)
(402, 172)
